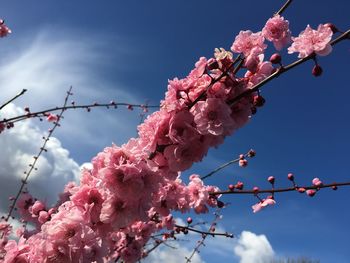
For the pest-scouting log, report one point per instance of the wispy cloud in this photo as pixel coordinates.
(51, 61)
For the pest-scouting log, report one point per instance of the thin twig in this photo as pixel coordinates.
(36, 158)
(224, 166)
(86, 106)
(15, 97)
(205, 234)
(284, 7)
(280, 190)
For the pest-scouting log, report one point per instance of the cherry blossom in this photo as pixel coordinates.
(262, 204)
(310, 41)
(277, 31)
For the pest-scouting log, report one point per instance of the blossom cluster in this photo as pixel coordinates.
(131, 190)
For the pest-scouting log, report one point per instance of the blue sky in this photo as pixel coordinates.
(128, 50)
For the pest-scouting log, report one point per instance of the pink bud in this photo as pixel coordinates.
(332, 27)
(251, 153)
(301, 190)
(243, 163)
(239, 186)
(231, 187)
(271, 179)
(189, 220)
(290, 177)
(317, 71)
(255, 189)
(316, 182)
(258, 101)
(51, 117)
(310, 192)
(43, 217)
(37, 207)
(275, 58)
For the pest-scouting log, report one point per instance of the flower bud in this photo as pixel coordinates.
(271, 179)
(332, 27)
(275, 58)
(301, 190)
(290, 177)
(239, 186)
(310, 192)
(189, 220)
(317, 71)
(258, 101)
(243, 163)
(251, 153)
(231, 187)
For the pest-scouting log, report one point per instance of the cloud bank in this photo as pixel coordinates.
(252, 248)
(18, 146)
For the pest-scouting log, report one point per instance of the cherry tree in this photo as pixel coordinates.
(123, 207)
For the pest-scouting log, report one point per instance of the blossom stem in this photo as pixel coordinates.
(224, 166)
(284, 7)
(15, 97)
(280, 190)
(86, 106)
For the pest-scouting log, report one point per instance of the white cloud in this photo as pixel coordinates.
(48, 63)
(252, 248)
(18, 146)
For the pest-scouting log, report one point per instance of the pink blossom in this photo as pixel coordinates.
(181, 128)
(213, 117)
(154, 129)
(317, 182)
(118, 212)
(36, 208)
(311, 40)
(43, 217)
(198, 194)
(200, 67)
(51, 117)
(277, 31)
(23, 204)
(199, 86)
(263, 70)
(268, 201)
(91, 200)
(246, 41)
(16, 252)
(175, 97)
(181, 157)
